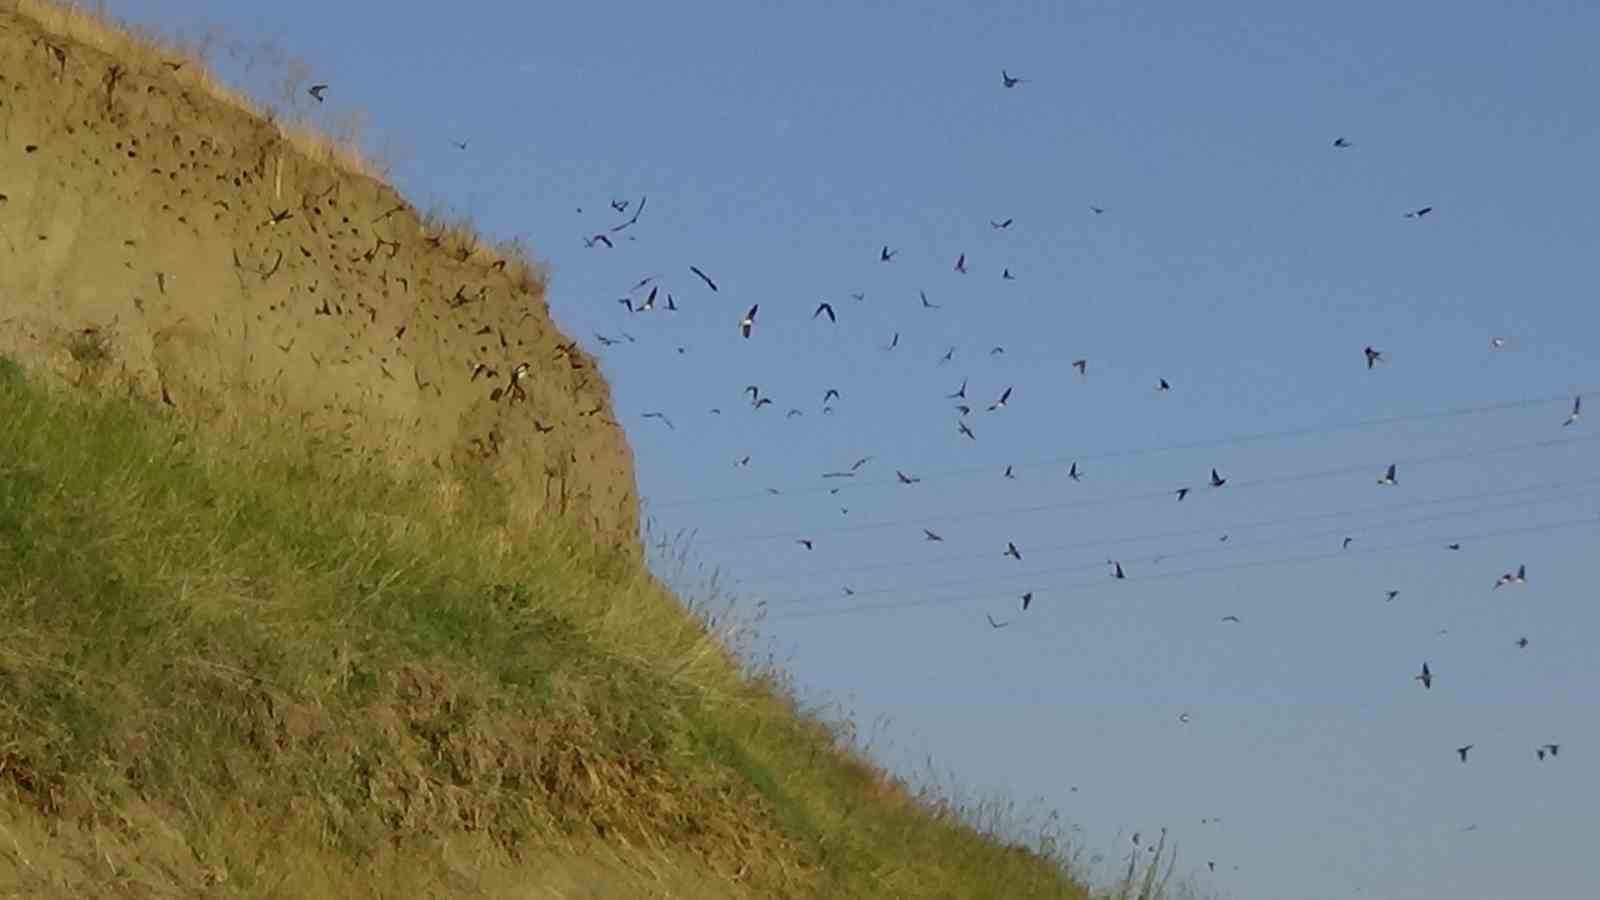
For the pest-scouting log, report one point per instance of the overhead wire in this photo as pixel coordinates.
(1060, 461)
(1232, 486)
(1046, 549)
(1072, 587)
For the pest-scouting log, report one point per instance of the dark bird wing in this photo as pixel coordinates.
(704, 277)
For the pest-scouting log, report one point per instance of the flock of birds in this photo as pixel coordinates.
(651, 294)
(655, 297)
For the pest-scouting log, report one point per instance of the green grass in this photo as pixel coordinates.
(278, 652)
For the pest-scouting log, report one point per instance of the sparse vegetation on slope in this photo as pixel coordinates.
(293, 675)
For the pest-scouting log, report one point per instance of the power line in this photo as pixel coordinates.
(1071, 587)
(1231, 546)
(1058, 462)
(1044, 550)
(1233, 486)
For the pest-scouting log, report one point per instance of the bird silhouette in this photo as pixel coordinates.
(1082, 366)
(1163, 386)
(1577, 407)
(1518, 577)
(960, 394)
(904, 478)
(885, 255)
(317, 90)
(1462, 751)
(1116, 570)
(1004, 396)
(1013, 552)
(1009, 474)
(1340, 142)
(804, 543)
(1388, 476)
(1419, 213)
(962, 427)
(704, 277)
(925, 303)
(830, 393)
(1555, 749)
(1390, 595)
(1234, 619)
(1006, 275)
(930, 536)
(825, 308)
(961, 264)
(1000, 226)
(1373, 356)
(1008, 81)
(1182, 493)
(993, 623)
(662, 416)
(1217, 480)
(1026, 599)
(1074, 474)
(1426, 677)
(749, 321)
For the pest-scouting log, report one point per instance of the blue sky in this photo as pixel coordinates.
(1241, 256)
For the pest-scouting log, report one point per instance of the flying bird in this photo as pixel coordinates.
(1000, 226)
(459, 145)
(1426, 677)
(1346, 544)
(894, 341)
(1419, 213)
(1004, 396)
(925, 303)
(1008, 473)
(1577, 407)
(1388, 475)
(860, 462)
(749, 321)
(804, 543)
(1340, 142)
(831, 392)
(317, 90)
(1026, 599)
(1452, 546)
(886, 254)
(960, 394)
(948, 354)
(1555, 749)
(1522, 643)
(1217, 480)
(961, 264)
(662, 417)
(1373, 356)
(620, 206)
(1097, 210)
(598, 239)
(1082, 366)
(930, 536)
(1163, 386)
(1007, 276)
(1462, 751)
(993, 623)
(964, 409)
(704, 277)
(904, 478)
(1234, 619)
(1011, 551)
(1116, 570)
(1518, 577)
(1074, 474)
(1390, 595)
(825, 308)
(1008, 81)
(1182, 493)
(962, 427)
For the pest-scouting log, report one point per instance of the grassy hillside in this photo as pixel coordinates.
(261, 673)
(247, 654)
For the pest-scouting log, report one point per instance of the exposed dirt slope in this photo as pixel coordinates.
(153, 230)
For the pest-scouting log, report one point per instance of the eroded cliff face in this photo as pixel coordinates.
(149, 226)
